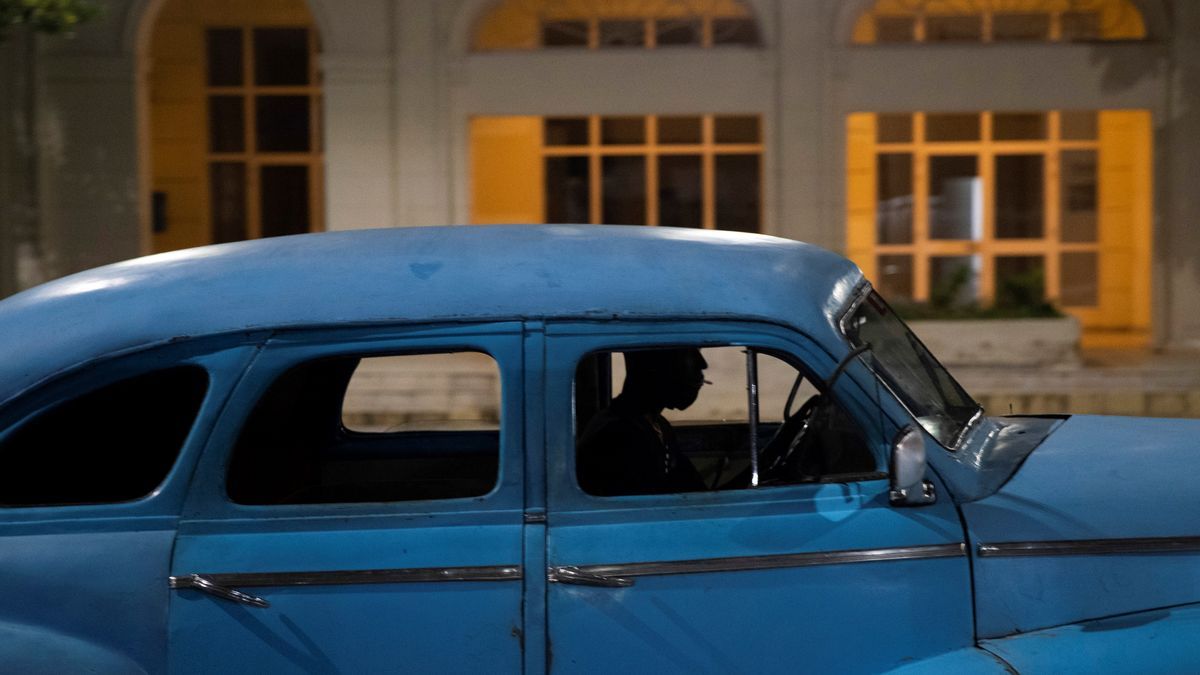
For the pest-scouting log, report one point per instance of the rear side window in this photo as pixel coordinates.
(372, 429)
(112, 444)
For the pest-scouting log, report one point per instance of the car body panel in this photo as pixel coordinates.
(1094, 478)
(1154, 641)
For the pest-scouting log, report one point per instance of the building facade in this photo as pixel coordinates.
(975, 150)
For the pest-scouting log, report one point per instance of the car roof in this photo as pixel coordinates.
(424, 274)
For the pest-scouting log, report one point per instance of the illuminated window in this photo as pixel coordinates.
(1011, 209)
(603, 24)
(965, 21)
(264, 154)
(680, 171)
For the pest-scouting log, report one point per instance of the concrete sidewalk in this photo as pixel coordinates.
(1105, 383)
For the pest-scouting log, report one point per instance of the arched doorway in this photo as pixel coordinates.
(234, 96)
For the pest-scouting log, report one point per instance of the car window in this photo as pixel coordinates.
(372, 429)
(685, 419)
(115, 443)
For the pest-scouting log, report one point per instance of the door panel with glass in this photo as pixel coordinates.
(763, 541)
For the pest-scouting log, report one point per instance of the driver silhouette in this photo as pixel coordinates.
(629, 448)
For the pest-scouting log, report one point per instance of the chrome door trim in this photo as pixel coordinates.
(1131, 545)
(347, 577)
(764, 562)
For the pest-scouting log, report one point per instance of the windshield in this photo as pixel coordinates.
(895, 354)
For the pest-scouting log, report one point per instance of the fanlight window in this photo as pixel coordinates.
(614, 24)
(903, 21)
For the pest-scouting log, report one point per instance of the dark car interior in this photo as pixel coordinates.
(295, 449)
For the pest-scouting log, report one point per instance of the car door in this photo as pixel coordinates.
(810, 577)
(349, 516)
(94, 466)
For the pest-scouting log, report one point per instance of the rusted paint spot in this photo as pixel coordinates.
(520, 635)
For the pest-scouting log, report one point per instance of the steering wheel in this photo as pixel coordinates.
(778, 451)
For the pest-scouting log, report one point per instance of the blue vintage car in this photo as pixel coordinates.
(490, 450)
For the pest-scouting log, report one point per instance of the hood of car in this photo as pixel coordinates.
(1102, 518)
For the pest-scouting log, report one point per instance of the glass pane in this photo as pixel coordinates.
(282, 123)
(676, 32)
(952, 127)
(227, 193)
(427, 428)
(893, 211)
(564, 34)
(895, 277)
(624, 191)
(623, 130)
(1079, 283)
(894, 29)
(281, 56)
(1019, 126)
(226, 124)
(1080, 26)
(679, 191)
(224, 47)
(740, 129)
(1079, 192)
(284, 200)
(566, 131)
(112, 444)
(737, 194)
(458, 391)
(567, 190)
(1019, 196)
(1079, 125)
(955, 198)
(734, 32)
(1008, 27)
(894, 128)
(1020, 282)
(678, 130)
(622, 33)
(954, 28)
(953, 280)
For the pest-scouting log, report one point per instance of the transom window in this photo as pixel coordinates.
(603, 24)
(900, 21)
(701, 171)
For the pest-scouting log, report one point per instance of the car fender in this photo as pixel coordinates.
(1154, 641)
(969, 661)
(33, 650)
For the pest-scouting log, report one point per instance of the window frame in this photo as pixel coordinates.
(650, 150)
(502, 341)
(879, 419)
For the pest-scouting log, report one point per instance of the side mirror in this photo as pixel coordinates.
(907, 470)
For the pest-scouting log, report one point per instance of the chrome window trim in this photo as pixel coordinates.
(1131, 545)
(349, 577)
(765, 562)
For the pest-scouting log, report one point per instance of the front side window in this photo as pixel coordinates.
(372, 429)
(934, 398)
(683, 419)
(112, 444)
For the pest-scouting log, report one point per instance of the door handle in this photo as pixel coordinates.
(570, 574)
(206, 585)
